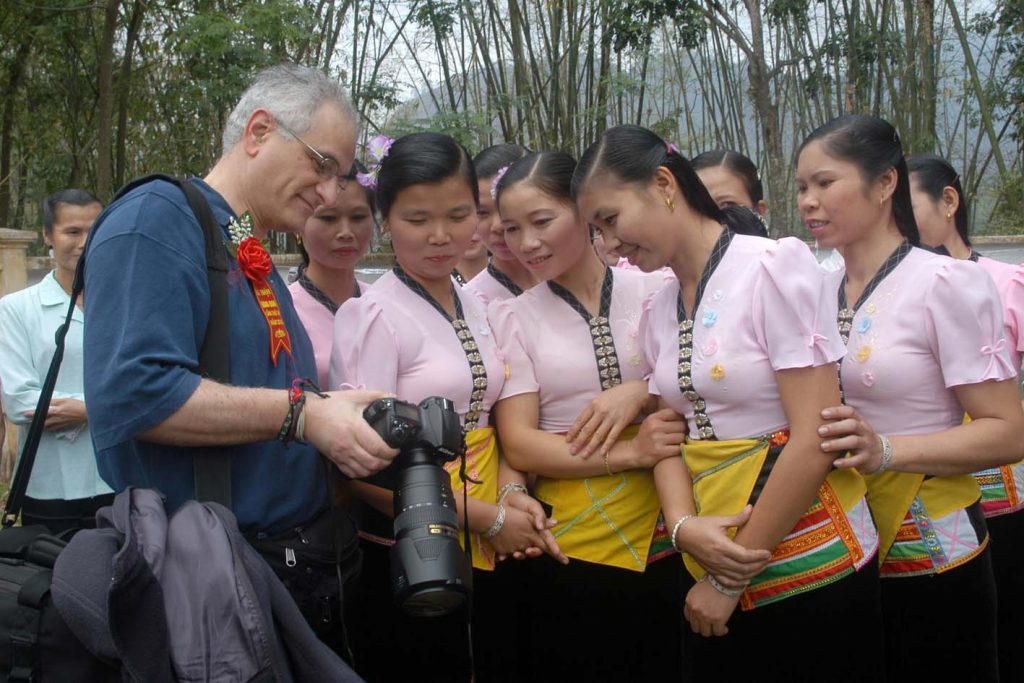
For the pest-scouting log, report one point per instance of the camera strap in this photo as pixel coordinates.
(478, 372)
(212, 468)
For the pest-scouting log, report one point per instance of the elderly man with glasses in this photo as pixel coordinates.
(287, 147)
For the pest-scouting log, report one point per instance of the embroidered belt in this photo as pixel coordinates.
(481, 466)
(895, 495)
(605, 520)
(1001, 489)
(833, 538)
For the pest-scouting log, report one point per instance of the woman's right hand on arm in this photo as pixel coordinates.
(661, 433)
(707, 541)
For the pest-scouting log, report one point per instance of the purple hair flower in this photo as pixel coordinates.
(497, 179)
(379, 146)
(672, 149)
(368, 180)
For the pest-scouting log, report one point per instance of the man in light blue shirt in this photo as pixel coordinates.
(65, 488)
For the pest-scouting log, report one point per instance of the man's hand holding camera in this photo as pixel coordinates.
(337, 428)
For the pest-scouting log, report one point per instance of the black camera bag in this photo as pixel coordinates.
(35, 643)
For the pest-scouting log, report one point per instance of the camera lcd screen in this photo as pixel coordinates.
(407, 411)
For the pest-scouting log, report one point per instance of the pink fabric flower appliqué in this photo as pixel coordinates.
(710, 347)
(868, 378)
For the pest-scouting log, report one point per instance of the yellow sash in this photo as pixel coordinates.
(481, 466)
(605, 520)
(724, 474)
(891, 493)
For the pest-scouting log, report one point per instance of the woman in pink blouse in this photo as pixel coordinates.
(743, 346)
(504, 277)
(941, 211)
(416, 334)
(569, 339)
(333, 241)
(925, 344)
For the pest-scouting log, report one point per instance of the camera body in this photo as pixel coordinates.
(429, 572)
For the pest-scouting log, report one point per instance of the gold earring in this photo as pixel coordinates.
(949, 215)
(298, 239)
(670, 204)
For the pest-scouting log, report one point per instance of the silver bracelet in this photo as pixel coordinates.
(730, 592)
(509, 488)
(499, 522)
(886, 454)
(675, 532)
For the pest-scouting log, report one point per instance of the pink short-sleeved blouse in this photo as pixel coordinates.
(764, 309)
(488, 287)
(548, 348)
(319, 323)
(932, 324)
(1009, 281)
(393, 340)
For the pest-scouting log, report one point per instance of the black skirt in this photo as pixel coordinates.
(1007, 540)
(599, 623)
(832, 633)
(942, 627)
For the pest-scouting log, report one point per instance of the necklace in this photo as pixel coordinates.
(683, 370)
(608, 370)
(476, 363)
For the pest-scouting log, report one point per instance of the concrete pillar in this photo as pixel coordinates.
(13, 265)
(13, 276)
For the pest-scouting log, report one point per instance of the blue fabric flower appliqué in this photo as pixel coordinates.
(864, 325)
(710, 318)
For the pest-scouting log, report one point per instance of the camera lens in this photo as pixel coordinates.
(428, 569)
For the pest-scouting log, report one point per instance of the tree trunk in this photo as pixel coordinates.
(105, 102)
(14, 76)
(925, 139)
(124, 88)
(767, 114)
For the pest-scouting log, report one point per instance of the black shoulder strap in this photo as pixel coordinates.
(212, 467)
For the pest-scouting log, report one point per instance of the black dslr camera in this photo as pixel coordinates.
(429, 572)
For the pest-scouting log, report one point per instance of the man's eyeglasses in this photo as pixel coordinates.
(327, 167)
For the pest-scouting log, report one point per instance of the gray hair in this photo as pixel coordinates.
(292, 93)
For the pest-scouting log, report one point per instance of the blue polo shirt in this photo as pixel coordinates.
(148, 303)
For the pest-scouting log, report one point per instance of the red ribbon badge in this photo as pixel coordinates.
(255, 264)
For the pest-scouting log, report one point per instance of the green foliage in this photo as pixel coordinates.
(439, 15)
(468, 127)
(632, 22)
(779, 12)
(668, 128)
(1011, 29)
(1007, 218)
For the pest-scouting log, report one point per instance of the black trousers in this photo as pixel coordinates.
(833, 633)
(1007, 542)
(942, 627)
(59, 515)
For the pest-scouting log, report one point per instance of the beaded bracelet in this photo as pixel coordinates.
(607, 465)
(499, 522)
(509, 488)
(294, 425)
(675, 532)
